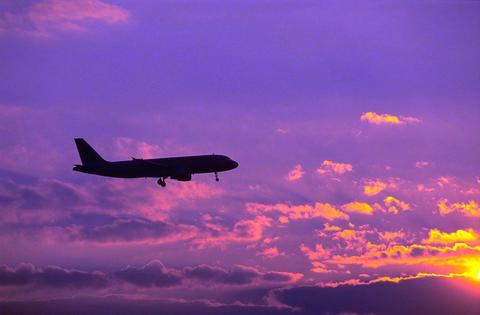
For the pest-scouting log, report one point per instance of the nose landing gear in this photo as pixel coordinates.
(216, 177)
(161, 182)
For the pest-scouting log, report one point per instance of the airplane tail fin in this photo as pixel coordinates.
(87, 154)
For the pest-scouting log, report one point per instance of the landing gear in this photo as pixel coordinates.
(216, 177)
(161, 182)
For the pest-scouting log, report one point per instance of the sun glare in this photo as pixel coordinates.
(478, 275)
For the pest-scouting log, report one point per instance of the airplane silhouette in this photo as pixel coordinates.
(178, 168)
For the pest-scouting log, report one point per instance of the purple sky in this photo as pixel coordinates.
(355, 126)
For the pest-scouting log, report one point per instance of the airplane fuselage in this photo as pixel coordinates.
(174, 167)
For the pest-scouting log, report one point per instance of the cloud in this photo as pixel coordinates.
(394, 205)
(44, 18)
(153, 274)
(271, 252)
(51, 276)
(421, 164)
(319, 253)
(358, 207)
(373, 187)
(133, 230)
(469, 209)
(461, 257)
(387, 119)
(435, 236)
(296, 173)
(236, 276)
(246, 230)
(318, 210)
(329, 167)
(239, 275)
(425, 295)
(126, 198)
(127, 147)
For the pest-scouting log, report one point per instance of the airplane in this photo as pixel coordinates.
(179, 168)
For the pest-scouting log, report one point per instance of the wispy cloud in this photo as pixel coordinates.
(44, 18)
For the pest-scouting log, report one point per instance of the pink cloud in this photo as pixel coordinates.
(44, 17)
(126, 147)
(271, 252)
(247, 230)
(9, 111)
(421, 164)
(296, 173)
(334, 167)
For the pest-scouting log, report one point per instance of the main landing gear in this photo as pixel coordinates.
(161, 182)
(216, 176)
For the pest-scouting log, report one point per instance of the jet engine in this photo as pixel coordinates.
(182, 175)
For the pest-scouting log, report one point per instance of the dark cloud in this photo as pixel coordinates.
(431, 295)
(59, 277)
(440, 296)
(125, 230)
(52, 276)
(238, 275)
(153, 274)
(205, 273)
(276, 276)
(23, 274)
(119, 306)
(42, 194)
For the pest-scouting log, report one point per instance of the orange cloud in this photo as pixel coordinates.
(333, 167)
(435, 236)
(358, 207)
(394, 205)
(391, 236)
(296, 173)
(319, 210)
(372, 188)
(354, 240)
(44, 17)
(319, 267)
(386, 279)
(330, 228)
(461, 257)
(469, 209)
(387, 119)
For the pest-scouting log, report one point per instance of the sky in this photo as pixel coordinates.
(355, 126)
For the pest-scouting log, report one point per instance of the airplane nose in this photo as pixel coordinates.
(234, 164)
